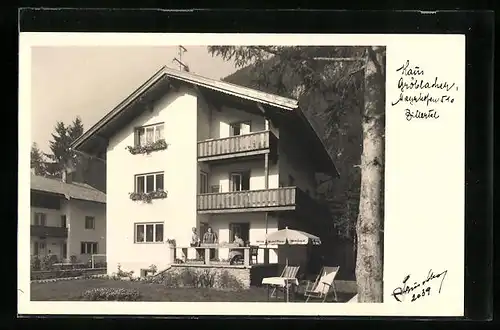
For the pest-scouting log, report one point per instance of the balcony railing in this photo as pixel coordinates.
(48, 231)
(235, 146)
(250, 200)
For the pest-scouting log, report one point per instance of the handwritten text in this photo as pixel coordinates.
(418, 93)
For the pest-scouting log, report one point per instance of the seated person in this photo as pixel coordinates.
(236, 253)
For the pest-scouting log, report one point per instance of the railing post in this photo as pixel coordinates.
(266, 256)
(207, 256)
(246, 257)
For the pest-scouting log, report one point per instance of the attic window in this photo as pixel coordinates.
(149, 134)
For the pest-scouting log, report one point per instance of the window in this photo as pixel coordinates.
(239, 181)
(64, 223)
(239, 128)
(89, 223)
(149, 134)
(148, 182)
(148, 232)
(203, 182)
(88, 248)
(40, 219)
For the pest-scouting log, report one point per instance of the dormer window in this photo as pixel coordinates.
(147, 135)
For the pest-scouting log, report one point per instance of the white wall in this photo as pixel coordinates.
(219, 174)
(77, 211)
(221, 121)
(178, 111)
(53, 217)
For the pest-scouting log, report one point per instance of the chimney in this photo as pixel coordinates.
(67, 176)
(68, 172)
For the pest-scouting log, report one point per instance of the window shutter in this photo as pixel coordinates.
(82, 248)
(136, 137)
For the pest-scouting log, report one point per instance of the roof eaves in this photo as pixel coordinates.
(122, 105)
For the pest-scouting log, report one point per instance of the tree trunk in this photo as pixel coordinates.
(369, 272)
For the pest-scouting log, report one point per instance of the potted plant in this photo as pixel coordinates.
(171, 242)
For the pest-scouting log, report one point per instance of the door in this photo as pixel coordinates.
(203, 229)
(239, 128)
(64, 250)
(245, 128)
(40, 249)
(203, 183)
(241, 229)
(240, 181)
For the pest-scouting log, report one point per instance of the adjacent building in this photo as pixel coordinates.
(67, 218)
(187, 151)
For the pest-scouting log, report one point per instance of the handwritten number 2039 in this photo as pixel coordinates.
(425, 292)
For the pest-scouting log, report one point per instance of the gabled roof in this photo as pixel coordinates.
(74, 190)
(164, 77)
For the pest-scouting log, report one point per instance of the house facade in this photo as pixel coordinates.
(67, 219)
(186, 151)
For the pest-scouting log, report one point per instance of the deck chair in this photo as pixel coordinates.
(288, 272)
(323, 284)
(353, 300)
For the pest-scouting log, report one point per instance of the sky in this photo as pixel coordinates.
(90, 81)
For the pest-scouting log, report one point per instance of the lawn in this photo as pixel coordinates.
(72, 290)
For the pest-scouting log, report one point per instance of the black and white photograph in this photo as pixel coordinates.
(197, 186)
(218, 172)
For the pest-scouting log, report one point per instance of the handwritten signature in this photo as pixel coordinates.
(418, 289)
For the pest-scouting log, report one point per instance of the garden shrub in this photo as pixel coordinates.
(206, 278)
(229, 281)
(111, 294)
(47, 262)
(35, 263)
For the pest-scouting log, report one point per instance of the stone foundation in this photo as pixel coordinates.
(240, 273)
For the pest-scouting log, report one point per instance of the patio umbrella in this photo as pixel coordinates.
(290, 237)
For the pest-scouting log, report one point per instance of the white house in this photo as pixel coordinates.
(186, 151)
(67, 219)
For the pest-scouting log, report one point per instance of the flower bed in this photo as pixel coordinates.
(111, 294)
(54, 274)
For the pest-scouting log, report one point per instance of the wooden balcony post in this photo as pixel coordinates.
(246, 257)
(207, 256)
(266, 256)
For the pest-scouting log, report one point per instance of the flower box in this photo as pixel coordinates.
(148, 148)
(148, 197)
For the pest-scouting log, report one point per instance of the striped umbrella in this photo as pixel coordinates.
(290, 237)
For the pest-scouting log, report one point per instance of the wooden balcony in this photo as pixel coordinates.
(255, 143)
(48, 231)
(279, 199)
